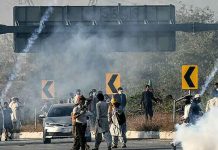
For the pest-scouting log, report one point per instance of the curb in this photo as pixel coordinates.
(166, 135)
(142, 135)
(130, 135)
(28, 135)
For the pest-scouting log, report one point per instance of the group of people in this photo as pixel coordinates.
(10, 120)
(109, 116)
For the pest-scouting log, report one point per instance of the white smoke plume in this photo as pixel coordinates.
(202, 136)
(209, 78)
(37, 31)
(18, 66)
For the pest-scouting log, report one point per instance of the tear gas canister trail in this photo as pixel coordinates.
(209, 78)
(34, 36)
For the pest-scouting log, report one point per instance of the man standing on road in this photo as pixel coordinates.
(146, 101)
(80, 116)
(121, 98)
(16, 114)
(102, 125)
(118, 124)
(7, 121)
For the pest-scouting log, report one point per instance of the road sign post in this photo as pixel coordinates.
(189, 82)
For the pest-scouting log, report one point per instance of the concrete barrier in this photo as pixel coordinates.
(28, 135)
(142, 135)
(129, 134)
(169, 135)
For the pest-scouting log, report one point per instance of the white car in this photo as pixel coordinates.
(58, 123)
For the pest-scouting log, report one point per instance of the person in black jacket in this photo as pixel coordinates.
(121, 98)
(146, 101)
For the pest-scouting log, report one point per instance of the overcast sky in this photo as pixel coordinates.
(6, 6)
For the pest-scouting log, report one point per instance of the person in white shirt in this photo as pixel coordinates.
(79, 116)
(185, 118)
(16, 114)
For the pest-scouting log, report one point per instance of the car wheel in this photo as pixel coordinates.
(46, 140)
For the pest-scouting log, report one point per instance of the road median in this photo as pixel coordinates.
(130, 135)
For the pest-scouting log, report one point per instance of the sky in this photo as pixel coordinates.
(6, 6)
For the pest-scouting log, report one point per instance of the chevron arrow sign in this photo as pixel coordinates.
(189, 77)
(48, 89)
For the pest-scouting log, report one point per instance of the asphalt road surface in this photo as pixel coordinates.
(66, 144)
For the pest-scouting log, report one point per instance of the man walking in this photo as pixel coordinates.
(102, 124)
(146, 101)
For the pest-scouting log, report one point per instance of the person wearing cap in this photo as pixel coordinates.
(195, 111)
(121, 98)
(102, 125)
(79, 115)
(146, 101)
(118, 124)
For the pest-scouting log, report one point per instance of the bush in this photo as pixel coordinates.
(160, 122)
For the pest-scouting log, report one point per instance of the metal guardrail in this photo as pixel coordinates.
(174, 105)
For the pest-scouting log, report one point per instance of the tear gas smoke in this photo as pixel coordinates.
(209, 78)
(31, 40)
(201, 136)
(37, 31)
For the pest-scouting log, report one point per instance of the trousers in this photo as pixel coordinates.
(80, 140)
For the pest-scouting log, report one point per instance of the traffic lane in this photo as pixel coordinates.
(67, 145)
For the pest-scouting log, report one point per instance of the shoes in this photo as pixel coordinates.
(109, 148)
(124, 146)
(95, 149)
(115, 146)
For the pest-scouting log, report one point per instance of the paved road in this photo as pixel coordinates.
(65, 144)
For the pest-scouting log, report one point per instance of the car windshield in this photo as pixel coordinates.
(60, 111)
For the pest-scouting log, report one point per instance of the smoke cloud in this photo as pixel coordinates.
(76, 60)
(31, 40)
(209, 78)
(201, 136)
